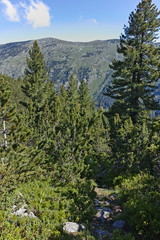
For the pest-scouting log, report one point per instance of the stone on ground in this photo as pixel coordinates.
(23, 212)
(97, 203)
(72, 227)
(119, 224)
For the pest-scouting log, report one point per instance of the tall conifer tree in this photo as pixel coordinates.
(35, 85)
(135, 76)
(13, 133)
(40, 106)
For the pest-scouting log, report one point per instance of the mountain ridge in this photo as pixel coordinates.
(87, 60)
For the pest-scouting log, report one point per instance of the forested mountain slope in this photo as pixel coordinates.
(88, 61)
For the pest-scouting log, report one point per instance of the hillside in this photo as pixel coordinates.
(88, 61)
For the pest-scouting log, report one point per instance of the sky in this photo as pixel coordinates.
(71, 20)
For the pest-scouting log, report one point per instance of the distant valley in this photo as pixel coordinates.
(88, 61)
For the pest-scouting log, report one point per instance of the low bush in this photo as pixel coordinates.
(51, 203)
(44, 201)
(118, 236)
(140, 196)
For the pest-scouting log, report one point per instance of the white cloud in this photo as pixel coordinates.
(83, 19)
(93, 20)
(11, 11)
(23, 5)
(37, 14)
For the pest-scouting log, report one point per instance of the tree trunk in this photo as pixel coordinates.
(4, 130)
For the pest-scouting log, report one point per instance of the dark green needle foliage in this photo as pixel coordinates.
(11, 130)
(35, 85)
(72, 146)
(39, 103)
(135, 76)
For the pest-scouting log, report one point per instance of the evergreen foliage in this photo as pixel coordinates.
(118, 236)
(12, 131)
(129, 145)
(71, 146)
(140, 195)
(16, 91)
(40, 106)
(53, 147)
(135, 76)
(35, 86)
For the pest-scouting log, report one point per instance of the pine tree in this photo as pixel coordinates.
(101, 140)
(14, 133)
(40, 104)
(87, 107)
(72, 133)
(71, 148)
(88, 128)
(87, 115)
(63, 96)
(129, 145)
(135, 76)
(4, 98)
(7, 115)
(40, 97)
(35, 85)
(71, 116)
(16, 91)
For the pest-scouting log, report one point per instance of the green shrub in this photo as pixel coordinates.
(51, 204)
(118, 236)
(47, 204)
(141, 201)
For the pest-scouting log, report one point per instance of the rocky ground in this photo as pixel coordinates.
(108, 214)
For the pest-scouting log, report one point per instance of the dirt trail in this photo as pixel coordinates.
(107, 208)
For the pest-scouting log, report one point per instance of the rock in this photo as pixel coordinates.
(113, 196)
(20, 194)
(20, 211)
(107, 202)
(104, 209)
(99, 214)
(14, 206)
(119, 224)
(117, 209)
(101, 233)
(23, 212)
(72, 227)
(97, 203)
(31, 214)
(106, 214)
(103, 213)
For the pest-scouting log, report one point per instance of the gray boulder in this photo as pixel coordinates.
(103, 213)
(23, 212)
(104, 209)
(113, 196)
(72, 227)
(107, 202)
(119, 224)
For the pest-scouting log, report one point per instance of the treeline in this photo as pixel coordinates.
(134, 134)
(55, 146)
(50, 147)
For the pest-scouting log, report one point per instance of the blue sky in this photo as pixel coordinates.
(73, 20)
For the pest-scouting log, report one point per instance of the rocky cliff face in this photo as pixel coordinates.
(88, 61)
